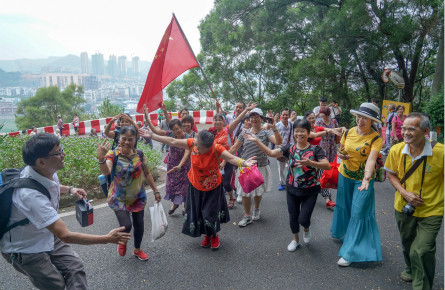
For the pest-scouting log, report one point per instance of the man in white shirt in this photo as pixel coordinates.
(322, 103)
(40, 248)
(335, 111)
(285, 130)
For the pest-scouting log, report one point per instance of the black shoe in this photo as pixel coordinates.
(171, 211)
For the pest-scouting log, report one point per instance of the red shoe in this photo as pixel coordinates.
(122, 249)
(206, 242)
(214, 242)
(330, 204)
(141, 255)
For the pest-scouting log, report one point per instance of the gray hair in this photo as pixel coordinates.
(206, 138)
(391, 106)
(424, 121)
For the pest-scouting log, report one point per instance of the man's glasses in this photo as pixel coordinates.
(58, 153)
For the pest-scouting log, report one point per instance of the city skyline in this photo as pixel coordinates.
(35, 30)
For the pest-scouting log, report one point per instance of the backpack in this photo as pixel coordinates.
(10, 180)
(113, 170)
(391, 116)
(380, 171)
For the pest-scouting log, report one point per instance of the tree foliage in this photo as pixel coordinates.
(42, 109)
(107, 109)
(288, 52)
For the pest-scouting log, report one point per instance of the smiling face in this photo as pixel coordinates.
(285, 116)
(311, 119)
(126, 142)
(187, 127)
(177, 131)
(255, 120)
(363, 122)
(411, 131)
(247, 123)
(218, 123)
(301, 135)
(184, 113)
(238, 109)
(400, 111)
(55, 159)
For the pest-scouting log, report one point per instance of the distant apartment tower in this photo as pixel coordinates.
(62, 80)
(112, 66)
(135, 63)
(84, 63)
(98, 64)
(122, 66)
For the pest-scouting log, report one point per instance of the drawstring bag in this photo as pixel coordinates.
(250, 178)
(329, 178)
(159, 222)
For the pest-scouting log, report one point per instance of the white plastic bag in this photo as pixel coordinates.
(159, 222)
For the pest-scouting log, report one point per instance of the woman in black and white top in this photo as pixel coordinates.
(250, 149)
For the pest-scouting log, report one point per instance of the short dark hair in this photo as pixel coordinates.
(173, 123)
(375, 100)
(307, 114)
(284, 109)
(400, 106)
(206, 138)
(184, 110)
(188, 119)
(241, 102)
(38, 146)
(130, 129)
(302, 123)
(221, 116)
(334, 101)
(323, 99)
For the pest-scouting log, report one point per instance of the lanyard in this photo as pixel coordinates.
(423, 173)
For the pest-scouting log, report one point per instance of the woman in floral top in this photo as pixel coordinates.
(126, 194)
(206, 206)
(302, 183)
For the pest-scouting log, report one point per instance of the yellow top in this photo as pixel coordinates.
(358, 149)
(433, 185)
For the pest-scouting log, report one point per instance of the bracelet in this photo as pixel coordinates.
(69, 190)
(240, 161)
(103, 162)
(154, 192)
(275, 130)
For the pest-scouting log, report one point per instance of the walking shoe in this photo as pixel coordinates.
(206, 242)
(141, 255)
(122, 249)
(281, 187)
(406, 276)
(330, 204)
(307, 236)
(293, 246)
(239, 199)
(344, 263)
(214, 242)
(245, 221)
(256, 214)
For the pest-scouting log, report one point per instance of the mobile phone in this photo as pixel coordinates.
(269, 120)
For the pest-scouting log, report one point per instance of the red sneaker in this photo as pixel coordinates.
(206, 242)
(141, 255)
(330, 204)
(214, 242)
(122, 249)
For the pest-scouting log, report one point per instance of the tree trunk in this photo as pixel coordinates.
(438, 74)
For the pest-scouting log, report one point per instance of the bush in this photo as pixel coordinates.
(434, 108)
(81, 167)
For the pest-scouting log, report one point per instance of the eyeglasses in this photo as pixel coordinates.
(58, 153)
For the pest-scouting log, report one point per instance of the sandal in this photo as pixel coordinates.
(231, 203)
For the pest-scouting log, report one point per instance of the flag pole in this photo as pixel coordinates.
(199, 65)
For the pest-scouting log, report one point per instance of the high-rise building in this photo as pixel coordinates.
(98, 64)
(135, 64)
(84, 62)
(112, 66)
(122, 66)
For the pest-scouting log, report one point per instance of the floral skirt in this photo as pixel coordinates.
(205, 211)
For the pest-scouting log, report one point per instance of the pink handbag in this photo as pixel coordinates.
(250, 178)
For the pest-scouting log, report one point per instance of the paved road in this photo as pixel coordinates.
(254, 257)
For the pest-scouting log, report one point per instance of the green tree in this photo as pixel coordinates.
(42, 109)
(170, 105)
(107, 109)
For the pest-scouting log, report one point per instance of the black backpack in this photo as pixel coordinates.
(11, 180)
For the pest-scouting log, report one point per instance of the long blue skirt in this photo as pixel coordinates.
(354, 222)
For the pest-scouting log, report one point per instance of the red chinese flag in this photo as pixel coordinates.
(174, 56)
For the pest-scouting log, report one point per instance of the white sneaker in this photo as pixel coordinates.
(307, 236)
(256, 214)
(245, 221)
(344, 263)
(239, 199)
(293, 246)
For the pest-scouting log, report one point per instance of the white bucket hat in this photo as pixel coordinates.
(368, 110)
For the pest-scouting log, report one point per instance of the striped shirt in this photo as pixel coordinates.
(250, 149)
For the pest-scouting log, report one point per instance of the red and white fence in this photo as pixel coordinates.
(200, 117)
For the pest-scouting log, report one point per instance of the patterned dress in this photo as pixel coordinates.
(177, 182)
(327, 142)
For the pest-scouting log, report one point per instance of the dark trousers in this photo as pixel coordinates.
(123, 218)
(300, 210)
(227, 177)
(418, 237)
(57, 269)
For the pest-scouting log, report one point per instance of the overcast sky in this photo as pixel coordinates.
(42, 28)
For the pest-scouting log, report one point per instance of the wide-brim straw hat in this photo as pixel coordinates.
(368, 110)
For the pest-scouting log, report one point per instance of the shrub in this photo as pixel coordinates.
(81, 167)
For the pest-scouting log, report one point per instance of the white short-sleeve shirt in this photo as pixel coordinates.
(33, 237)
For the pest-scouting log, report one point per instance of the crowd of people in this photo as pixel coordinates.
(203, 167)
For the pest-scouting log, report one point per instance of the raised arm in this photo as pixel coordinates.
(148, 122)
(105, 165)
(108, 132)
(240, 117)
(167, 116)
(236, 160)
(129, 119)
(180, 143)
(276, 138)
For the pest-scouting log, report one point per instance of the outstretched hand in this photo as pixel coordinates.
(251, 106)
(163, 107)
(145, 133)
(103, 149)
(250, 162)
(250, 137)
(118, 236)
(176, 168)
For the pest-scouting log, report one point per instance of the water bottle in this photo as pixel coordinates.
(103, 184)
